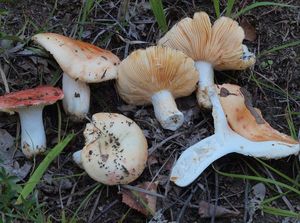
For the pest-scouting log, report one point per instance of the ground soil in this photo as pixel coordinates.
(280, 70)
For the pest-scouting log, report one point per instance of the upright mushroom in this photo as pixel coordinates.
(29, 104)
(157, 75)
(249, 135)
(115, 150)
(81, 63)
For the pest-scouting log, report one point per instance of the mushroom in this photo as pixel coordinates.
(115, 150)
(29, 104)
(212, 47)
(157, 75)
(249, 135)
(81, 63)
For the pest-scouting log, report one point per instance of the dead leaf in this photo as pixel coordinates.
(7, 148)
(6, 145)
(142, 202)
(250, 31)
(207, 210)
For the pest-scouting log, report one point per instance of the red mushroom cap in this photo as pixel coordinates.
(42, 95)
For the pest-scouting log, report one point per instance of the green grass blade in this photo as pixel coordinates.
(289, 119)
(278, 172)
(260, 179)
(217, 7)
(229, 7)
(38, 173)
(281, 47)
(260, 4)
(84, 201)
(86, 10)
(158, 11)
(280, 212)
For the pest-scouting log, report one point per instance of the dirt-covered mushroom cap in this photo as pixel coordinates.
(115, 150)
(148, 71)
(245, 119)
(80, 60)
(220, 44)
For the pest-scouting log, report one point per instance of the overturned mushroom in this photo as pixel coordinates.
(252, 136)
(29, 104)
(157, 75)
(81, 63)
(115, 150)
(212, 47)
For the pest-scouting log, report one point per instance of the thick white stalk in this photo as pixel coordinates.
(207, 87)
(166, 111)
(33, 138)
(194, 160)
(206, 74)
(76, 101)
(206, 80)
(77, 158)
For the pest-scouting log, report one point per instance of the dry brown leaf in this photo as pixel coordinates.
(207, 210)
(250, 31)
(142, 202)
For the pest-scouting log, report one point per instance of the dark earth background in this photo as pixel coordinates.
(273, 76)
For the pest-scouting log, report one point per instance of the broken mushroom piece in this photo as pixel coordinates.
(81, 63)
(212, 47)
(115, 150)
(29, 104)
(252, 136)
(157, 75)
(245, 119)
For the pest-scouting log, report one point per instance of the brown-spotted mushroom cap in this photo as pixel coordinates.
(80, 60)
(115, 150)
(29, 104)
(81, 63)
(245, 119)
(157, 75)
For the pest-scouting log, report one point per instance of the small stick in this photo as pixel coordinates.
(129, 187)
(3, 76)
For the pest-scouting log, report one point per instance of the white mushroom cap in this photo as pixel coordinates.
(115, 150)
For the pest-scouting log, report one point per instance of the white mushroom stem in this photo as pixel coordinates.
(33, 138)
(77, 97)
(195, 159)
(77, 158)
(166, 111)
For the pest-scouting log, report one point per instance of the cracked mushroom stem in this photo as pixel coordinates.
(115, 150)
(29, 104)
(82, 63)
